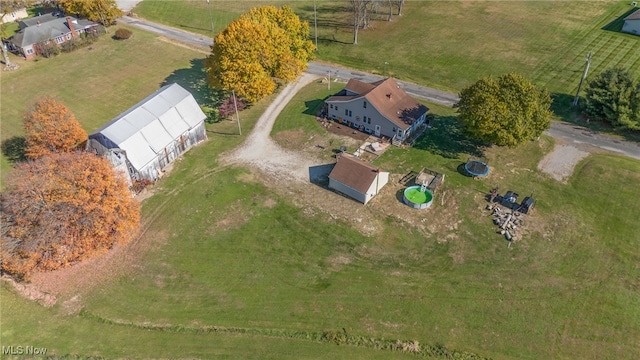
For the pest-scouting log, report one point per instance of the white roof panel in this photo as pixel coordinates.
(174, 123)
(148, 127)
(138, 151)
(191, 112)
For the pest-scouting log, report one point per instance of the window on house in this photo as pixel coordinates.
(331, 106)
(364, 104)
(336, 107)
(350, 113)
(394, 129)
(346, 112)
(29, 51)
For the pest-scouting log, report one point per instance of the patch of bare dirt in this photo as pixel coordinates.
(31, 292)
(561, 161)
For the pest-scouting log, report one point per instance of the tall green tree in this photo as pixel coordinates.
(103, 11)
(262, 46)
(506, 111)
(614, 96)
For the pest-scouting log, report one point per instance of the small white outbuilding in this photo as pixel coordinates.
(357, 178)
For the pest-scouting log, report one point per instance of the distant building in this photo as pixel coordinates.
(150, 135)
(14, 16)
(632, 23)
(357, 178)
(381, 108)
(40, 31)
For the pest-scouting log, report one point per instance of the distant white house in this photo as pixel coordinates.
(357, 178)
(150, 135)
(14, 16)
(632, 23)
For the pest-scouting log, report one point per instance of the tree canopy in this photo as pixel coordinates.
(506, 111)
(62, 208)
(102, 11)
(614, 96)
(262, 45)
(51, 127)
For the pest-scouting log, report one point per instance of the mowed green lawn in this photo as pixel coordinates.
(449, 44)
(226, 251)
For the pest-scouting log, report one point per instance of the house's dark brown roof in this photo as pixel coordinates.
(359, 87)
(388, 98)
(634, 16)
(354, 173)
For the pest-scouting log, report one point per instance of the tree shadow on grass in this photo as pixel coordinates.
(312, 107)
(616, 25)
(14, 148)
(194, 80)
(446, 138)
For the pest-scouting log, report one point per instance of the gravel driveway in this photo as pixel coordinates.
(260, 151)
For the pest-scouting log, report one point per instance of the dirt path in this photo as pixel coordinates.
(260, 151)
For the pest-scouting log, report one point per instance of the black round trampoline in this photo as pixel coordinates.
(476, 168)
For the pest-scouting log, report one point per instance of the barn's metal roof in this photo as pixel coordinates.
(148, 127)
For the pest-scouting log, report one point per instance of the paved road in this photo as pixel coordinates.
(169, 32)
(569, 133)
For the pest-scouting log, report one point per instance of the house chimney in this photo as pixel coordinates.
(71, 28)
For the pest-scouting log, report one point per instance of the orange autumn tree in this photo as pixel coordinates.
(51, 127)
(62, 208)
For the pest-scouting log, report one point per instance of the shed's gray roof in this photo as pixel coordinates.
(50, 27)
(148, 127)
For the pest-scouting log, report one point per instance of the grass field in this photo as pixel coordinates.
(224, 250)
(449, 44)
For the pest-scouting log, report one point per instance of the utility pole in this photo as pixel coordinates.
(315, 22)
(584, 76)
(235, 105)
(211, 19)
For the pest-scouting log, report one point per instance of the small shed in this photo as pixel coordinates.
(152, 133)
(357, 178)
(632, 23)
